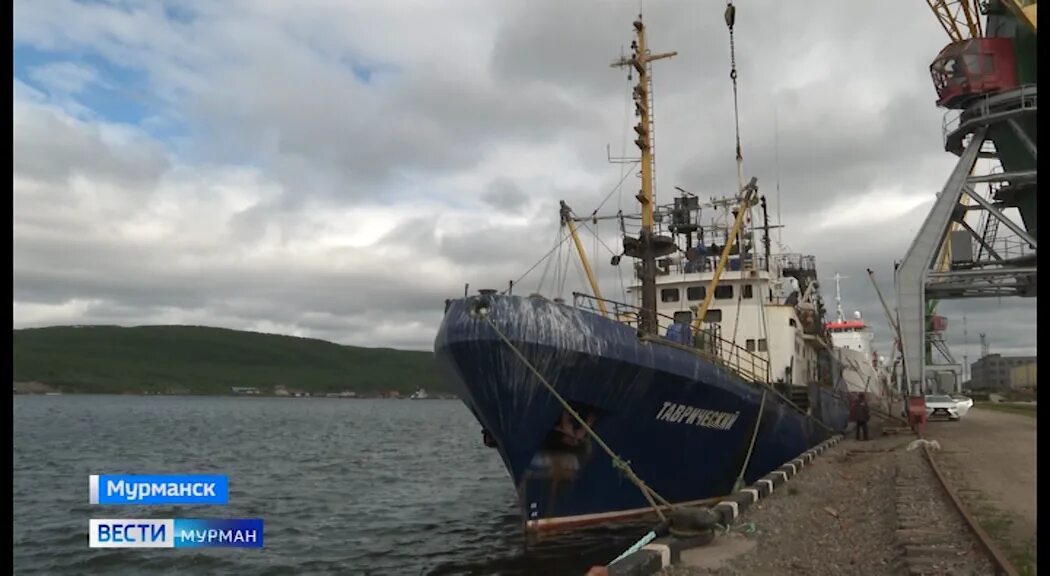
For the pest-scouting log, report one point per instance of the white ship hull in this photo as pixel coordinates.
(862, 377)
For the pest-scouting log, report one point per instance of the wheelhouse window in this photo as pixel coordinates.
(669, 295)
(695, 293)
(713, 315)
(724, 292)
(747, 291)
(750, 344)
(761, 344)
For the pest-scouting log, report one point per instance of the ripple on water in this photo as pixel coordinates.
(344, 486)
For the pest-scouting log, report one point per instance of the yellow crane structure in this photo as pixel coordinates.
(1023, 11)
(961, 19)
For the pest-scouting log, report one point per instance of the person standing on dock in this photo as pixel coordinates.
(862, 415)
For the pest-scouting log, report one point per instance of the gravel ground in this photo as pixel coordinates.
(837, 516)
(870, 508)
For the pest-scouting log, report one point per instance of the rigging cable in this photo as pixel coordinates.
(619, 186)
(558, 240)
(564, 272)
(730, 16)
(776, 164)
(623, 232)
(595, 251)
(776, 130)
(730, 21)
(627, 98)
(734, 352)
(557, 270)
(598, 240)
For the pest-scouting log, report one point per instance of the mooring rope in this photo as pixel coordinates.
(754, 435)
(617, 462)
(649, 537)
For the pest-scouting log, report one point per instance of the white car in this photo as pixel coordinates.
(962, 404)
(938, 405)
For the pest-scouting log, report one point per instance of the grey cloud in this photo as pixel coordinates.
(258, 85)
(359, 137)
(51, 148)
(823, 159)
(505, 195)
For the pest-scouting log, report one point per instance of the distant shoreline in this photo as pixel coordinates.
(208, 361)
(36, 388)
(203, 394)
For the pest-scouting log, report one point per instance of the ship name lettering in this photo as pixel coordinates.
(701, 417)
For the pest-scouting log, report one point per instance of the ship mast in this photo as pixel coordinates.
(838, 299)
(647, 246)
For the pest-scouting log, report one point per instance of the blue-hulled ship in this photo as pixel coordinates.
(719, 338)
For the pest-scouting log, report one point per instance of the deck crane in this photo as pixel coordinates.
(967, 248)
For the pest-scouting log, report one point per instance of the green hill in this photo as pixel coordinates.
(203, 360)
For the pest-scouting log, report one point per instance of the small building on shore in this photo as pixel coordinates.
(996, 372)
(1023, 377)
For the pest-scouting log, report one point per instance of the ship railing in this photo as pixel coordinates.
(706, 263)
(796, 261)
(707, 341)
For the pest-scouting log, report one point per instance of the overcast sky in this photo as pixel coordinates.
(337, 169)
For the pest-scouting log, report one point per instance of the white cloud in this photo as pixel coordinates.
(64, 77)
(874, 209)
(305, 199)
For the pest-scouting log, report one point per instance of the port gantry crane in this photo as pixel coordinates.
(967, 247)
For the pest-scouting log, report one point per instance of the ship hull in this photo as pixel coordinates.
(682, 422)
(863, 378)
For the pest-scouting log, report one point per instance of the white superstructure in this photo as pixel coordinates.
(863, 369)
(759, 309)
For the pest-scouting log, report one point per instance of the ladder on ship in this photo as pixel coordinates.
(800, 397)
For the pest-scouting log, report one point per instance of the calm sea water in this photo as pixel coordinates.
(344, 487)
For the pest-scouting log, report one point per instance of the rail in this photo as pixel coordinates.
(991, 549)
(994, 553)
(796, 261)
(707, 341)
(987, 108)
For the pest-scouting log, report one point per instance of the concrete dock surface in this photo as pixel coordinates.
(839, 515)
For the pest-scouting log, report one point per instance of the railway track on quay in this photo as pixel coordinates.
(892, 505)
(935, 531)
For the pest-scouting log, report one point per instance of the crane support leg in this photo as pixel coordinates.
(911, 274)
